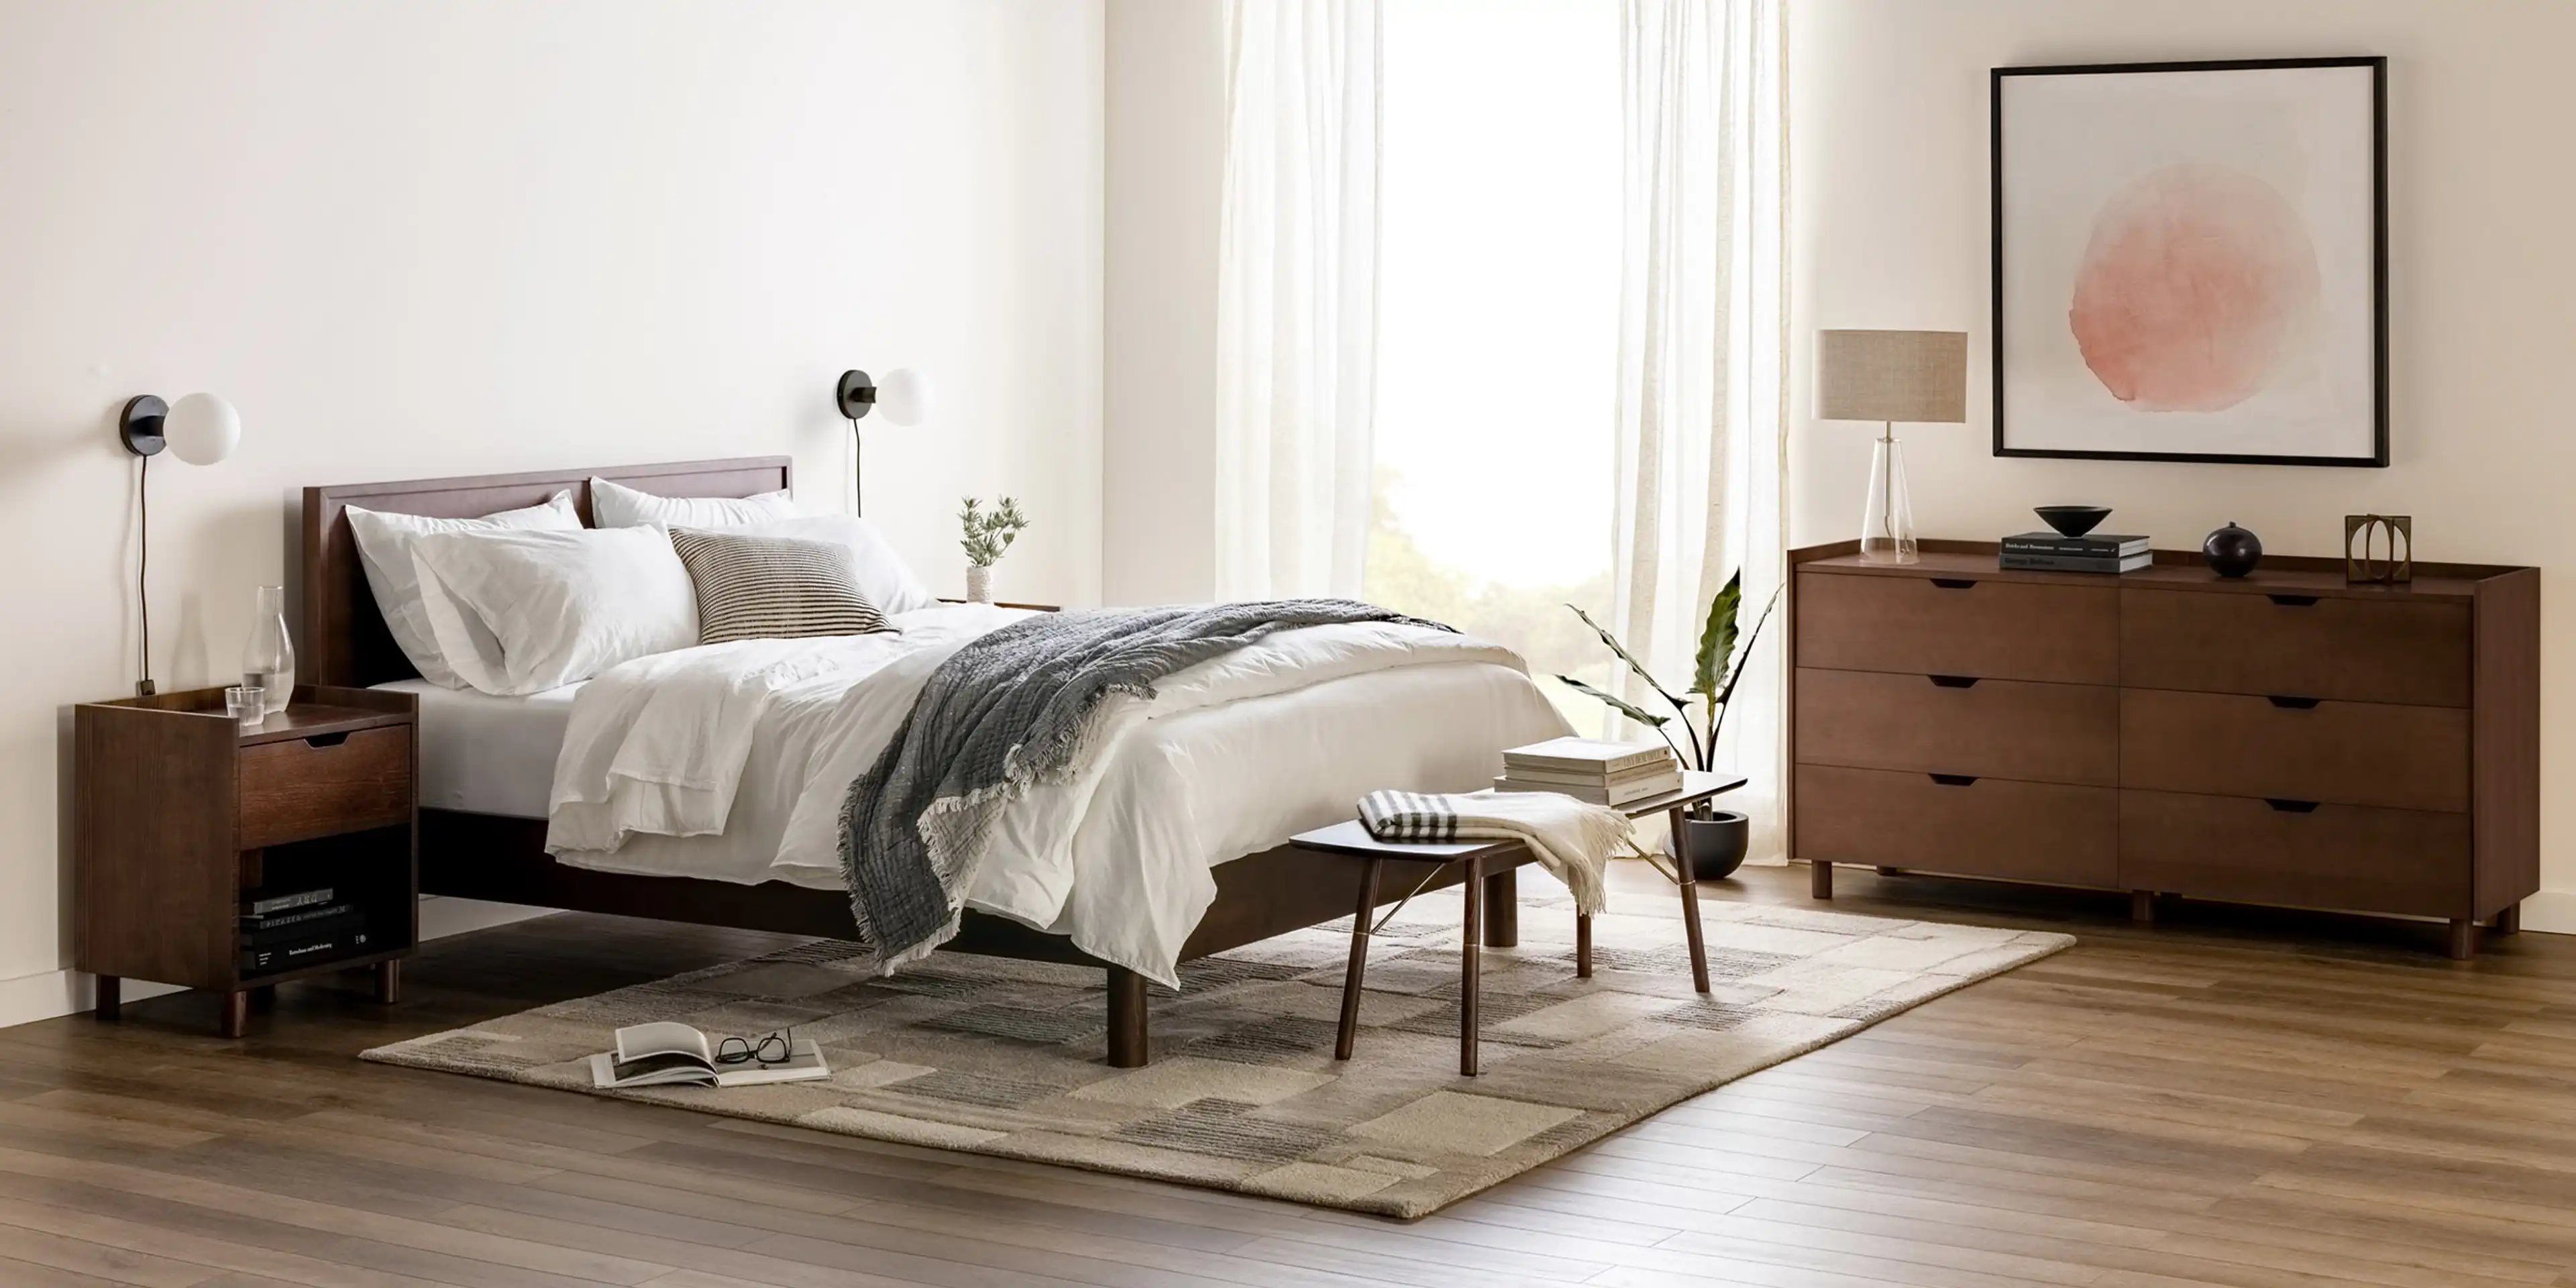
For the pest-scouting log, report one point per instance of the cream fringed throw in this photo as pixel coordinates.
(1573, 840)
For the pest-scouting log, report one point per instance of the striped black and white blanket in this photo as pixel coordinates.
(1573, 840)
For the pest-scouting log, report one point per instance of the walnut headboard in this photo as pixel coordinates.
(345, 640)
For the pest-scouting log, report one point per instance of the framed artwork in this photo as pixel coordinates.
(2191, 261)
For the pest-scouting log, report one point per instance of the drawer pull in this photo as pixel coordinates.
(1955, 583)
(1954, 681)
(2295, 601)
(2293, 704)
(326, 740)
(2291, 807)
(1955, 780)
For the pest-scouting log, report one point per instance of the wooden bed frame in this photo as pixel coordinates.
(504, 859)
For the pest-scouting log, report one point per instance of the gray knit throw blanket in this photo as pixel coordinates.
(1010, 711)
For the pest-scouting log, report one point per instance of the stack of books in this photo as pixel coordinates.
(2057, 552)
(1591, 769)
(287, 929)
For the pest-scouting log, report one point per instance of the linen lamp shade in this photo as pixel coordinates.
(1916, 377)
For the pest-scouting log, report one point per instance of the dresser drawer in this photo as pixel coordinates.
(2396, 650)
(1988, 827)
(2332, 856)
(2050, 733)
(2352, 753)
(2004, 630)
(297, 790)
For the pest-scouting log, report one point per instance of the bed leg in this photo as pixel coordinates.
(1126, 1019)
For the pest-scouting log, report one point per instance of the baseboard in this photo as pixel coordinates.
(2553, 911)
(47, 994)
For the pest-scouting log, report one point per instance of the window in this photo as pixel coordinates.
(1498, 325)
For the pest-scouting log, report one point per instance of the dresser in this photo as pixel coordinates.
(2283, 739)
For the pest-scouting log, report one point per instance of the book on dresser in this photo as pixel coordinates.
(1591, 769)
(2287, 738)
(2057, 552)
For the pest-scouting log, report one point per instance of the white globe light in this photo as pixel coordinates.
(904, 396)
(202, 429)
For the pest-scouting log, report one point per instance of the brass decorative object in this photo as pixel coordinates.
(2392, 536)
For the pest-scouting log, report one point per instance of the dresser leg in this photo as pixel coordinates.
(232, 1014)
(2464, 939)
(389, 982)
(1820, 879)
(2509, 921)
(108, 997)
(2142, 907)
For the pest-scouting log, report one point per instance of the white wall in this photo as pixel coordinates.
(1166, 155)
(481, 235)
(1889, 174)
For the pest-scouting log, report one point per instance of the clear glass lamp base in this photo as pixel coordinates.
(1887, 514)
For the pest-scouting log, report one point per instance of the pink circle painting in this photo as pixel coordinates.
(2198, 280)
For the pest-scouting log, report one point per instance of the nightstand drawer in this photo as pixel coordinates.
(297, 789)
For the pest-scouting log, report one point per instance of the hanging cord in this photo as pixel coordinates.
(142, 574)
(858, 480)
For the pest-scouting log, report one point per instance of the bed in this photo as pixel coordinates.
(487, 762)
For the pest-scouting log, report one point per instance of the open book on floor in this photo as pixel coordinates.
(663, 1054)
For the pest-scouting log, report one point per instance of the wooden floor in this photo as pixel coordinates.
(2230, 1098)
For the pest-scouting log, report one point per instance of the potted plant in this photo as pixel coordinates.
(989, 533)
(1713, 840)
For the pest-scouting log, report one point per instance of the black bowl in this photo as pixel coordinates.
(2073, 520)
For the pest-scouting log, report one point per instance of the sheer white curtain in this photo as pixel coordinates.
(1700, 427)
(1297, 298)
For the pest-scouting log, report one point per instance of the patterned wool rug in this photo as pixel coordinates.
(1003, 1057)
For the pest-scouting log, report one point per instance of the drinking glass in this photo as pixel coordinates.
(246, 705)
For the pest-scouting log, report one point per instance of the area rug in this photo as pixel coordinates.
(1001, 1057)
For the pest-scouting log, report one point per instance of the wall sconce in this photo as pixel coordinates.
(200, 429)
(904, 395)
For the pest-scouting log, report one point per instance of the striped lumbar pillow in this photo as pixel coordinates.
(752, 588)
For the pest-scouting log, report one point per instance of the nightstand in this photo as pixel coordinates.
(178, 812)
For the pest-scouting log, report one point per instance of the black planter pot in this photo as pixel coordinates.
(1714, 843)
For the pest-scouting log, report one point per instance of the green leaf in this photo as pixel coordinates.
(1726, 694)
(1717, 639)
(1631, 660)
(1621, 705)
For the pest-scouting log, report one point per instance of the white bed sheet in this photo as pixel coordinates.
(487, 754)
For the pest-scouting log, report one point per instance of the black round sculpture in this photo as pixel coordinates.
(2232, 551)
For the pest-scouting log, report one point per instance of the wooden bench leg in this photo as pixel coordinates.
(105, 1004)
(1583, 945)
(1126, 1019)
(1349, 1033)
(1471, 981)
(1690, 907)
(1503, 910)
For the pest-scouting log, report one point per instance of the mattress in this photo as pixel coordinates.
(485, 754)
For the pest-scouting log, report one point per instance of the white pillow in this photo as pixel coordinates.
(614, 505)
(384, 549)
(883, 577)
(565, 606)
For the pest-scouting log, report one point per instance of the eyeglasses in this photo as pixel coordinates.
(773, 1049)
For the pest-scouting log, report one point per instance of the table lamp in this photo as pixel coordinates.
(1888, 376)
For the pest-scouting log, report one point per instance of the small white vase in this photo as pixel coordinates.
(979, 583)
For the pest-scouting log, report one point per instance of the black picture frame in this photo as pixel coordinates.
(2379, 251)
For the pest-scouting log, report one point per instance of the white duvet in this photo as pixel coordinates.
(730, 762)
